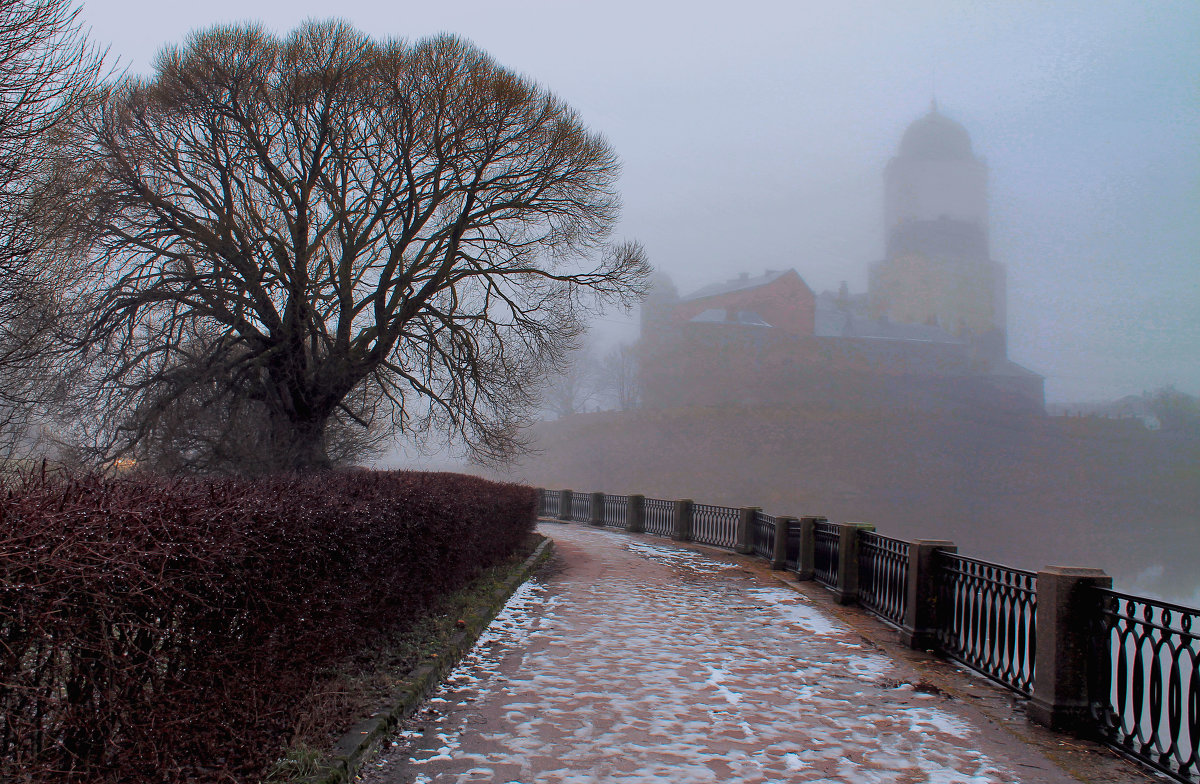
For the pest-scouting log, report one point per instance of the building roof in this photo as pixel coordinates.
(1006, 367)
(936, 137)
(746, 318)
(846, 319)
(739, 283)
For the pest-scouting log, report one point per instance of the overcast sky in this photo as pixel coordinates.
(754, 135)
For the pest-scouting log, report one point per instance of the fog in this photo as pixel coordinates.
(755, 136)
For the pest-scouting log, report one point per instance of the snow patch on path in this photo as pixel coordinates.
(679, 558)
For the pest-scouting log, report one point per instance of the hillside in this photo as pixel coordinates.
(1024, 490)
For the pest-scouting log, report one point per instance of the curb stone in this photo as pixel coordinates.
(364, 738)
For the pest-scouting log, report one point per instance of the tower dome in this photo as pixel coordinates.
(936, 137)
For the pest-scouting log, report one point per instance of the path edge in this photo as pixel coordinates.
(365, 737)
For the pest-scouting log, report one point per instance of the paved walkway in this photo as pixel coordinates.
(631, 660)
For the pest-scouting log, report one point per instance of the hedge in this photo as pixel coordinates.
(165, 630)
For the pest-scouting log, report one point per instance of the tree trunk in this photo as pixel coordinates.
(297, 446)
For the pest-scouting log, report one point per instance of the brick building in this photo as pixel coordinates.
(929, 333)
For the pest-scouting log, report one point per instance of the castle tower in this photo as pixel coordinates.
(937, 268)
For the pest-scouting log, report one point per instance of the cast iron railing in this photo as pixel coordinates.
(658, 515)
(616, 510)
(715, 525)
(1143, 667)
(883, 575)
(581, 507)
(987, 618)
(550, 502)
(825, 552)
(763, 536)
(1146, 685)
(793, 546)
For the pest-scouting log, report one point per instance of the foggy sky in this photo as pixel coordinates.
(754, 136)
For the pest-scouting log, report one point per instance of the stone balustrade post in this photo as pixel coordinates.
(846, 591)
(635, 514)
(779, 552)
(1064, 615)
(745, 530)
(597, 517)
(920, 626)
(564, 505)
(808, 551)
(681, 529)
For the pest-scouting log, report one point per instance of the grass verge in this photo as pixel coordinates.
(386, 680)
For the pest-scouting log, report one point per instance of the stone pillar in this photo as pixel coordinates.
(846, 591)
(779, 551)
(1064, 614)
(920, 626)
(597, 509)
(804, 569)
(635, 514)
(745, 530)
(564, 505)
(681, 531)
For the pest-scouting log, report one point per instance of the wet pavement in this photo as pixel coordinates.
(631, 660)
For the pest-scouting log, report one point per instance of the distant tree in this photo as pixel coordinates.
(1176, 411)
(47, 67)
(618, 377)
(571, 390)
(325, 231)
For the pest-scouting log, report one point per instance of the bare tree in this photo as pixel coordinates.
(401, 236)
(618, 377)
(197, 418)
(571, 390)
(47, 67)
(1176, 411)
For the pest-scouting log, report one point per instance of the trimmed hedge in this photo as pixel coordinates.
(165, 630)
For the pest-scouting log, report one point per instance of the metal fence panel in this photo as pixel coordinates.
(715, 525)
(826, 545)
(1146, 688)
(616, 510)
(988, 618)
(658, 516)
(550, 502)
(883, 575)
(581, 507)
(764, 534)
(793, 546)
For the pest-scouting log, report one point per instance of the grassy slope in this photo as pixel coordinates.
(1029, 491)
(367, 680)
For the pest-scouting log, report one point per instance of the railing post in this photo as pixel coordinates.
(597, 509)
(808, 552)
(1063, 624)
(779, 551)
(635, 514)
(541, 500)
(682, 522)
(846, 591)
(920, 627)
(745, 530)
(564, 505)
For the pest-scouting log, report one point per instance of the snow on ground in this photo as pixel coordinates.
(620, 669)
(678, 558)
